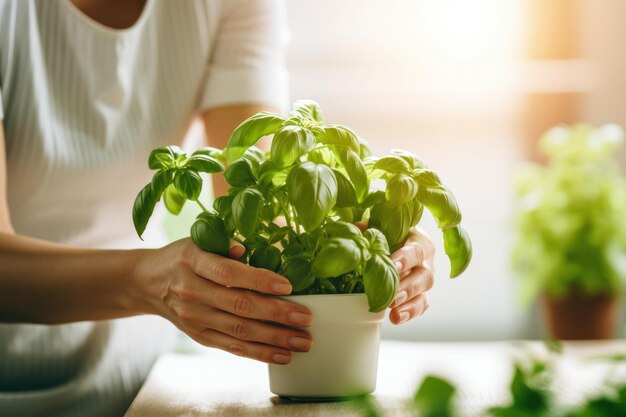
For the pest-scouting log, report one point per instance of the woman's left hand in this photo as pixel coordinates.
(415, 263)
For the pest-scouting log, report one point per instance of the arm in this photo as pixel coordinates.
(205, 295)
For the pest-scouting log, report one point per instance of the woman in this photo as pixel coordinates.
(88, 88)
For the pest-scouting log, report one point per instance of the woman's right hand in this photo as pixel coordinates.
(220, 302)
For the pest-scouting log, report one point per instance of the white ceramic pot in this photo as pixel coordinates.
(344, 357)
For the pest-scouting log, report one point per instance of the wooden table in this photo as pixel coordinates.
(213, 383)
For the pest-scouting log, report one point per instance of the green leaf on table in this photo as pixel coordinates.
(434, 398)
(174, 201)
(380, 280)
(209, 233)
(297, 269)
(312, 190)
(338, 256)
(188, 183)
(246, 208)
(250, 132)
(289, 144)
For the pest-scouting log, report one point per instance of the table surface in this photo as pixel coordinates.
(214, 383)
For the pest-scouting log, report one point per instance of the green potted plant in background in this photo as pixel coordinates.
(293, 209)
(571, 231)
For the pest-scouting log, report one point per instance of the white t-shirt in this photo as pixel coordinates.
(82, 106)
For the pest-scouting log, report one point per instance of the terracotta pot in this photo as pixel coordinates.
(582, 317)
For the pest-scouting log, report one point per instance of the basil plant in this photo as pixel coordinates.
(294, 208)
(570, 222)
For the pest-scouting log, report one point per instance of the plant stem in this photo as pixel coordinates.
(202, 206)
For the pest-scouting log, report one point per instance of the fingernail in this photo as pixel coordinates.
(300, 319)
(404, 316)
(398, 265)
(281, 287)
(401, 298)
(300, 343)
(282, 359)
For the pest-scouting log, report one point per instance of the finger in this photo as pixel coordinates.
(252, 350)
(251, 305)
(256, 331)
(230, 273)
(409, 310)
(419, 236)
(236, 251)
(420, 280)
(408, 256)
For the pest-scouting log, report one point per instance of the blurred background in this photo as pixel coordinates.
(469, 86)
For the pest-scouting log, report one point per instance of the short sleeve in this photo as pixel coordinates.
(247, 64)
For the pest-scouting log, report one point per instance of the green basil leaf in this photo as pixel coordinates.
(164, 157)
(307, 110)
(322, 155)
(338, 256)
(346, 214)
(380, 280)
(254, 155)
(374, 198)
(209, 233)
(339, 136)
(240, 173)
(250, 131)
(279, 234)
(289, 144)
(297, 269)
(223, 205)
(409, 157)
(377, 241)
(400, 189)
(341, 229)
(147, 199)
(393, 221)
(393, 165)
(174, 201)
(267, 257)
(346, 194)
(214, 153)
(312, 192)
(434, 398)
(458, 247)
(247, 206)
(365, 149)
(204, 163)
(188, 183)
(356, 171)
(439, 200)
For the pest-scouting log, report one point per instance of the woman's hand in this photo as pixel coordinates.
(415, 263)
(220, 302)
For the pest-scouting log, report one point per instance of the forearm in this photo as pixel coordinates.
(219, 124)
(43, 282)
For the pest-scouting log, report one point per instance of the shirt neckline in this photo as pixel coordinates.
(82, 16)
